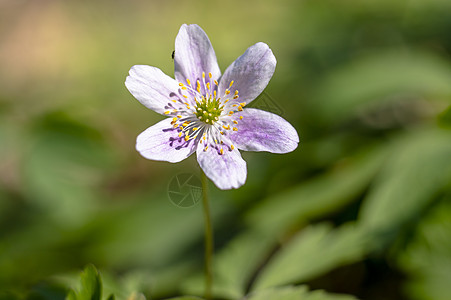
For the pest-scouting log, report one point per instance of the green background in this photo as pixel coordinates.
(362, 207)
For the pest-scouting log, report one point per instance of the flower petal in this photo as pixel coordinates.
(161, 142)
(151, 87)
(250, 73)
(227, 171)
(193, 55)
(260, 130)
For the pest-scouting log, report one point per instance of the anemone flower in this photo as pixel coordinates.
(206, 112)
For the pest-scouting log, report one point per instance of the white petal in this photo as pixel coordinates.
(250, 73)
(193, 55)
(263, 131)
(227, 171)
(161, 142)
(152, 87)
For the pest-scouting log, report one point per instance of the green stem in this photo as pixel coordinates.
(208, 239)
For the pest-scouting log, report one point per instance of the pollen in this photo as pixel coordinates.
(221, 151)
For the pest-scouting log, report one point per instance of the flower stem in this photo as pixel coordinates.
(208, 239)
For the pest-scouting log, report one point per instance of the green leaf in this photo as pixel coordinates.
(64, 168)
(234, 266)
(186, 298)
(418, 169)
(373, 78)
(310, 200)
(427, 258)
(296, 293)
(91, 284)
(313, 251)
(71, 295)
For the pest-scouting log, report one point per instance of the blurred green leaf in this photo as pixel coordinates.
(417, 170)
(444, 118)
(296, 293)
(186, 298)
(91, 284)
(374, 78)
(313, 251)
(234, 266)
(311, 199)
(71, 295)
(64, 167)
(427, 258)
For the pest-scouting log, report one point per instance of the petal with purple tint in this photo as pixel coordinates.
(227, 170)
(250, 73)
(260, 130)
(162, 142)
(152, 87)
(193, 55)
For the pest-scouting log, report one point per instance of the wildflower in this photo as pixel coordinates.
(206, 112)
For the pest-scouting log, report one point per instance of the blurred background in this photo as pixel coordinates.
(362, 207)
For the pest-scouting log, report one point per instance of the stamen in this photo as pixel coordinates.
(188, 81)
(231, 83)
(209, 75)
(241, 117)
(221, 151)
(235, 129)
(232, 147)
(167, 112)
